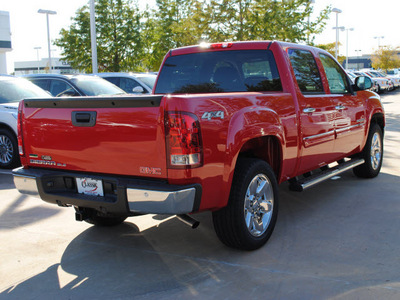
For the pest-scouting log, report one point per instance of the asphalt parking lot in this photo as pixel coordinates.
(338, 240)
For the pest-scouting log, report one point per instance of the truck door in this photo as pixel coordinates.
(349, 110)
(317, 112)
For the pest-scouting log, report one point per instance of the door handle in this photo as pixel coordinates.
(340, 107)
(309, 110)
(83, 118)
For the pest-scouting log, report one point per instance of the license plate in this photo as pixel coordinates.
(89, 186)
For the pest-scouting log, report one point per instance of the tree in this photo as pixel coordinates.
(330, 48)
(131, 40)
(119, 43)
(385, 58)
(285, 20)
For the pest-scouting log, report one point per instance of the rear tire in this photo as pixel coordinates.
(248, 220)
(9, 156)
(372, 154)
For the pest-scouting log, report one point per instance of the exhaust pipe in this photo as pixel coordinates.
(188, 220)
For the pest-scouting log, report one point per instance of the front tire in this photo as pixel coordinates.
(9, 157)
(372, 154)
(248, 220)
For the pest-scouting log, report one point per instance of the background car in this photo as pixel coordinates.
(132, 83)
(12, 90)
(353, 77)
(74, 85)
(381, 83)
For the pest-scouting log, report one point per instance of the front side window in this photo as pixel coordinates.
(306, 71)
(219, 72)
(337, 79)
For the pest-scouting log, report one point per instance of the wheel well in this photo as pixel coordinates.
(5, 126)
(380, 120)
(267, 148)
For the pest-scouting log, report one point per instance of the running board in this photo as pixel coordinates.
(305, 183)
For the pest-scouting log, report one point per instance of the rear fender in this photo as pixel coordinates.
(245, 125)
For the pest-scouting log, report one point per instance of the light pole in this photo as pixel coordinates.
(379, 40)
(38, 62)
(347, 46)
(48, 12)
(337, 11)
(357, 54)
(308, 34)
(93, 36)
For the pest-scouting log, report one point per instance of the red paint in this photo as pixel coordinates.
(132, 141)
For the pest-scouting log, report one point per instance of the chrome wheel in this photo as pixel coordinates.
(376, 151)
(6, 150)
(258, 205)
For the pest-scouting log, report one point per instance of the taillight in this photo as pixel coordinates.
(183, 140)
(20, 139)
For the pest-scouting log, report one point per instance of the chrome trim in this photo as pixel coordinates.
(309, 110)
(26, 185)
(331, 132)
(161, 202)
(338, 170)
(349, 128)
(340, 107)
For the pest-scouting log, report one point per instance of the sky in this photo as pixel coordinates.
(369, 18)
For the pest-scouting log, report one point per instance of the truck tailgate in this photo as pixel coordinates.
(119, 135)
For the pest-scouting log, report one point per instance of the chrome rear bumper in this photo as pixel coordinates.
(121, 195)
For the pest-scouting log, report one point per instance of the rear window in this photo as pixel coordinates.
(219, 72)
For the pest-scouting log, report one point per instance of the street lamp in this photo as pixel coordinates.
(48, 12)
(308, 33)
(379, 40)
(93, 36)
(337, 11)
(357, 54)
(37, 52)
(347, 45)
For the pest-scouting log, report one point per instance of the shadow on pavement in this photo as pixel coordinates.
(326, 243)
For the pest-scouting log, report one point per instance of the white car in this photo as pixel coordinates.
(132, 83)
(382, 83)
(12, 90)
(394, 76)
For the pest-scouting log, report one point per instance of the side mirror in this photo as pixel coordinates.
(363, 83)
(138, 90)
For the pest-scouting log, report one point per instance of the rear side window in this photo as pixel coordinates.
(57, 87)
(219, 72)
(306, 71)
(42, 83)
(337, 79)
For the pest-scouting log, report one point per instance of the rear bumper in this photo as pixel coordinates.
(122, 196)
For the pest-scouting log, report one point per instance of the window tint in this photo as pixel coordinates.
(306, 71)
(42, 83)
(59, 86)
(113, 80)
(128, 84)
(336, 77)
(220, 71)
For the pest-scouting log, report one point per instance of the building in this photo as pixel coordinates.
(42, 66)
(5, 40)
(358, 62)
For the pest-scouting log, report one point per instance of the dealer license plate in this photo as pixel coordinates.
(89, 186)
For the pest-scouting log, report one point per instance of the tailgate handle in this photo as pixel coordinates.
(84, 118)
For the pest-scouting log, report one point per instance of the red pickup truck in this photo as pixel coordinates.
(227, 123)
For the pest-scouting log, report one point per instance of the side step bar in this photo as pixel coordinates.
(305, 183)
